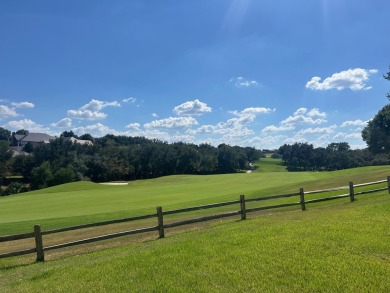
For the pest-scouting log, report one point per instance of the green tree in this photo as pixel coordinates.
(5, 134)
(23, 165)
(22, 131)
(41, 176)
(5, 158)
(87, 136)
(28, 148)
(68, 134)
(63, 175)
(377, 133)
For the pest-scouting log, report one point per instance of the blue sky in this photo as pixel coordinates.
(241, 72)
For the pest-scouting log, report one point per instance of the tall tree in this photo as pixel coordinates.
(5, 157)
(377, 133)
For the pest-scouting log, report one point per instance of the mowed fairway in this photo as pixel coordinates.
(338, 247)
(86, 202)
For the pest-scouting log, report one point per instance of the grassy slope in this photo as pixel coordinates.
(340, 247)
(269, 164)
(88, 202)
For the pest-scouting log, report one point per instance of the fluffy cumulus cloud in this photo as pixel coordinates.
(133, 126)
(297, 130)
(242, 82)
(172, 122)
(253, 111)
(305, 116)
(29, 125)
(96, 130)
(354, 79)
(318, 130)
(91, 111)
(23, 105)
(86, 114)
(353, 123)
(281, 128)
(6, 112)
(192, 108)
(96, 105)
(235, 127)
(63, 123)
(346, 136)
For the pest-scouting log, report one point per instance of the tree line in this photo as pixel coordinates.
(336, 156)
(116, 158)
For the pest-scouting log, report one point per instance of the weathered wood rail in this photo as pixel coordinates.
(40, 249)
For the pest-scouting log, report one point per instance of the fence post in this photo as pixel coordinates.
(39, 243)
(302, 199)
(243, 208)
(388, 183)
(351, 192)
(160, 222)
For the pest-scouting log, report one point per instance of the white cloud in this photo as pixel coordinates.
(23, 105)
(204, 129)
(248, 115)
(6, 112)
(254, 111)
(91, 111)
(129, 100)
(192, 108)
(133, 126)
(353, 79)
(301, 119)
(172, 122)
(357, 122)
(242, 82)
(155, 115)
(317, 130)
(28, 125)
(63, 123)
(300, 111)
(345, 136)
(316, 113)
(86, 114)
(233, 128)
(303, 116)
(355, 135)
(95, 130)
(273, 128)
(96, 105)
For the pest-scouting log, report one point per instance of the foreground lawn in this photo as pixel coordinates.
(338, 247)
(86, 202)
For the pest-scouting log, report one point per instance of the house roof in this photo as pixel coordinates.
(34, 137)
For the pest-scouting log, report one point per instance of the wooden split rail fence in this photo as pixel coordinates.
(39, 248)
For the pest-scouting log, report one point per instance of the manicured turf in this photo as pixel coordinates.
(338, 247)
(85, 202)
(269, 164)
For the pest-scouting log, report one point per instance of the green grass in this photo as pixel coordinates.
(338, 247)
(86, 202)
(269, 164)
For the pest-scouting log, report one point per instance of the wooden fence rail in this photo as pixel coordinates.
(40, 249)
